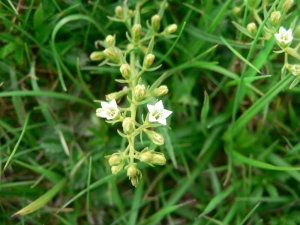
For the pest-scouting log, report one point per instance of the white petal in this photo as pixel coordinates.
(150, 108)
(166, 113)
(278, 37)
(104, 105)
(289, 32)
(162, 121)
(152, 118)
(113, 103)
(103, 114)
(282, 30)
(159, 105)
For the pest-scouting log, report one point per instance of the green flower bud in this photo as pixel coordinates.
(115, 160)
(275, 18)
(136, 33)
(110, 40)
(119, 12)
(155, 22)
(132, 171)
(128, 125)
(97, 56)
(134, 181)
(112, 54)
(125, 71)
(156, 138)
(237, 11)
(129, 47)
(295, 70)
(116, 169)
(146, 157)
(287, 5)
(252, 29)
(159, 159)
(117, 95)
(161, 90)
(171, 29)
(139, 91)
(148, 61)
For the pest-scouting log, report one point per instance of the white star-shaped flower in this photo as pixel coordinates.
(284, 37)
(157, 113)
(109, 110)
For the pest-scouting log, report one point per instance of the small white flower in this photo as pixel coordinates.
(109, 110)
(295, 70)
(284, 37)
(157, 113)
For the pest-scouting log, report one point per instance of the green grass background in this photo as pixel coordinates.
(233, 150)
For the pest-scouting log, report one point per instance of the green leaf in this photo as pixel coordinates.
(239, 55)
(262, 165)
(295, 82)
(43, 200)
(204, 111)
(38, 18)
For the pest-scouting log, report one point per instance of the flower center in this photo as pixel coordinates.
(157, 114)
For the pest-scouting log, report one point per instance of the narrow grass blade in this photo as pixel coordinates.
(60, 24)
(49, 94)
(261, 165)
(19, 141)
(258, 105)
(41, 201)
(92, 186)
(216, 201)
(250, 213)
(239, 55)
(204, 112)
(136, 203)
(165, 211)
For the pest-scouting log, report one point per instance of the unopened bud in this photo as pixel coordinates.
(117, 95)
(130, 13)
(119, 12)
(159, 159)
(111, 54)
(129, 47)
(139, 91)
(146, 157)
(287, 5)
(171, 29)
(97, 56)
(275, 18)
(128, 125)
(155, 22)
(116, 169)
(132, 171)
(134, 181)
(295, 70)
(125, 71)
(161, 90)
(115, 160)
(252, 29)
(136, 33)
(148, 61)
(237, 11)
(110, 40)
(156, 138)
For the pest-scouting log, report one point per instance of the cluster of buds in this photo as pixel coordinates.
(138, 94)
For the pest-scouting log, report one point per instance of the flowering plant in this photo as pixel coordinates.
(284, 37)
(138, 95)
